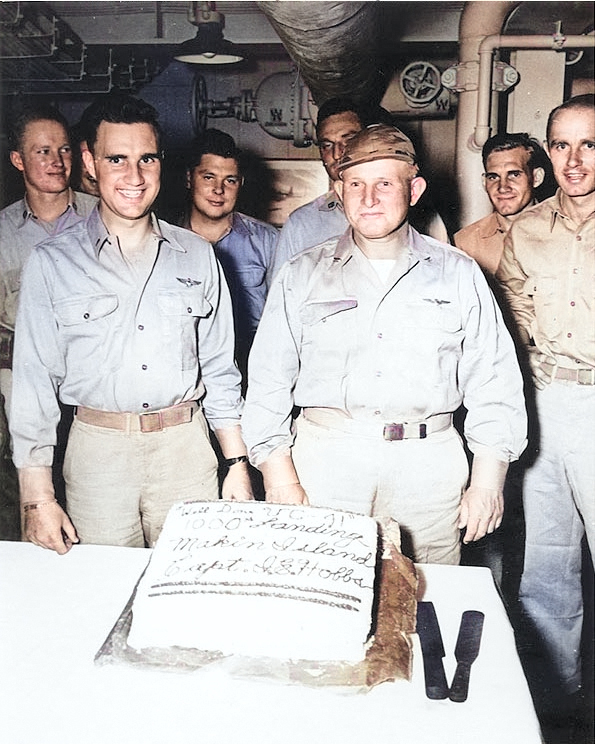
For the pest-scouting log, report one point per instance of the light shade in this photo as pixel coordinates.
(208, 46)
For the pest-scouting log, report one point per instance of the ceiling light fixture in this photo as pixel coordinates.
(208, 46)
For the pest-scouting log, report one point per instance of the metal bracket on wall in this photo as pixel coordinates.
(465, 77)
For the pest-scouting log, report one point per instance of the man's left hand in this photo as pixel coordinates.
(481, 512)
(237, 485)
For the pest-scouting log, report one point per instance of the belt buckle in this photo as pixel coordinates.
(586, 376)
(150, 422)
(393, 432)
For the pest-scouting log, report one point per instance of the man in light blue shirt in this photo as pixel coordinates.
(244, 246)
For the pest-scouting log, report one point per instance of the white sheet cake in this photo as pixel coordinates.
(258, 579)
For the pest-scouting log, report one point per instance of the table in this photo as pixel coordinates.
(56, 611)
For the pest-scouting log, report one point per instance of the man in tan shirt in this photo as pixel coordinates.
(515, 166)
(548, 273)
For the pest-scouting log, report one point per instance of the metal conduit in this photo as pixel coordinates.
(333, 45)
(556, 42)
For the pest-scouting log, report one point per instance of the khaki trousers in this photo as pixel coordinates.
(120, 486)
(417, 482)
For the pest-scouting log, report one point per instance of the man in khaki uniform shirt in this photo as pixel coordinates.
(515, 166)
(548, 272)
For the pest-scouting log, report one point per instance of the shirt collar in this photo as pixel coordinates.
(237, 225)
(72, 200)
(330, 202)
(557, 210)
(28, 213)
(346, 246)
(100, 236)
(491, 225)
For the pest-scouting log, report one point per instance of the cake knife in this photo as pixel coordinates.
(466, 652)
(432, 648)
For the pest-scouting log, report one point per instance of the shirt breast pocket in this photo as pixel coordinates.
(432, 327)
(180, 313)
(76, 312)
(327, 334)
(542, 289)
(253, 276)
(87, 326)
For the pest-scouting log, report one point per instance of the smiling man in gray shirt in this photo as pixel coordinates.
(128, 319)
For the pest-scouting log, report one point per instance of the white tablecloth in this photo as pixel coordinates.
(56, 611)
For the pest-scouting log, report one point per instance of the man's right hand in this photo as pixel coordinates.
(48, 526)
(290, 494)
(542, 367)
(281, 482)
(44, 522)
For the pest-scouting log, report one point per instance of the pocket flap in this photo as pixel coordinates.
(85, 309)
(192, 302)
(313, 312)
(540, 285)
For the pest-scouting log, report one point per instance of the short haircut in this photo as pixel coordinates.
(28, 113)
(213, 142)
(510, 141)
(116, 108)
(366, 113)
(585, 101)
(334, 106)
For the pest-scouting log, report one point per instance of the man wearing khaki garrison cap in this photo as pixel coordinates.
(378, 336)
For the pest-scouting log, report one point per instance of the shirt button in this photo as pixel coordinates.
(189, 309)
(141, 328)
(144, 366)
(86, 316)
(378, 374)
(145, 405)
(569, 335)
(377, 413)
(379, 335)
(578, 237)
(575, 271)
(572, 303)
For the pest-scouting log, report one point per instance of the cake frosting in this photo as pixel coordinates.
(257, 579)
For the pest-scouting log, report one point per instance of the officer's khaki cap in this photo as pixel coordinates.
(377, 142)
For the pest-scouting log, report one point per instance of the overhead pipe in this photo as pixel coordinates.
(478, 20)
(557, 42)
(333, 45)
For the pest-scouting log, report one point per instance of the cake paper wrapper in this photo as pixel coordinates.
(388, 656)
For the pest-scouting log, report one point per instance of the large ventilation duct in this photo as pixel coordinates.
(333, 46)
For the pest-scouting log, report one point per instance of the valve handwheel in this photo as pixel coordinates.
(199, 105)
(420, 83)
